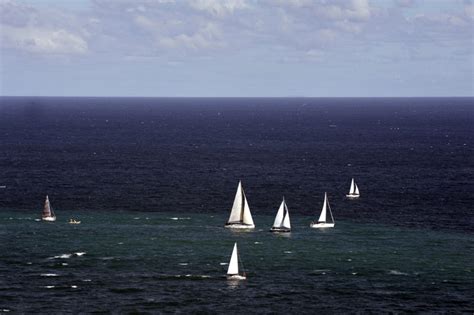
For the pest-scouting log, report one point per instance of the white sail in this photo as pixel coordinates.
(246, 216)
(351, 190)
(240, 213)
(286, 221)
(356, 190)
(234, 262)
(236, 213)
(322, 217)
(280, 214)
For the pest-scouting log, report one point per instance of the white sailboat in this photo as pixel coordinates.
(353, 190)
(233, 270)
(48, 213)
(282, 219)
(240, 216)
(325, 220)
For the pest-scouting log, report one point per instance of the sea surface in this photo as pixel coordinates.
(152, 181)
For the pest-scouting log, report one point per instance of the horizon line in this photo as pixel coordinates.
(282, 97)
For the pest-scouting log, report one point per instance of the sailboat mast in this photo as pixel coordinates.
(242, 204)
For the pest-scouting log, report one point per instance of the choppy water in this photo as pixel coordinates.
(163, 262)
(152, 181)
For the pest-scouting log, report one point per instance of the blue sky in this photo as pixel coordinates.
(237, 48)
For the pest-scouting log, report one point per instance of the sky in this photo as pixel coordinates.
(237, 48)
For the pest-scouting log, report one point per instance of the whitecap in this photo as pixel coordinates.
(37, 220)
(224, 263)
(49, 286)
(288, 252)
(257, 242)
(136, 218)
(63, 256)
(397, 273)
(5, 310)
(174, 218)
(86, 280)
(80, 254)
(64, 264)
(74, 286)
(49, 275)
(183, 264)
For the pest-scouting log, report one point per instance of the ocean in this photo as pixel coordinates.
(153, 179)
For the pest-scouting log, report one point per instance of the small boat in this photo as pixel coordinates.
(353, 191)
(233, 270)
(48, 213)
(282, 220)
(324, 220)
(72, 221)
(240, 216)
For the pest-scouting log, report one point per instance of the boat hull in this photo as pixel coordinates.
(49, 219)
(352, 196)
(239, 226)
(236, 277)
(321, 225)
(280, 230)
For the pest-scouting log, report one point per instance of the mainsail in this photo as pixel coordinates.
(323, 217)
(234, 262)
(240, 209)
(353, 190)
(282, 219)
(47, 210)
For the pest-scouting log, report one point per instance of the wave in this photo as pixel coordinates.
(63, 256)
(49, 275)
(397, 273)
(68, 255)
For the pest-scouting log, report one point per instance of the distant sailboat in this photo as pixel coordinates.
(353, 191)
(324, 220)
(282, 219)
(48, 213)
(240, 216)
(233, 270)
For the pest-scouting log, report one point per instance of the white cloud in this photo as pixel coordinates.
(45, 41)
(205, 37)
(166, 27)
(219, 8)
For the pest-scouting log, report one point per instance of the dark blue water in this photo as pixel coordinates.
(128, 167)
